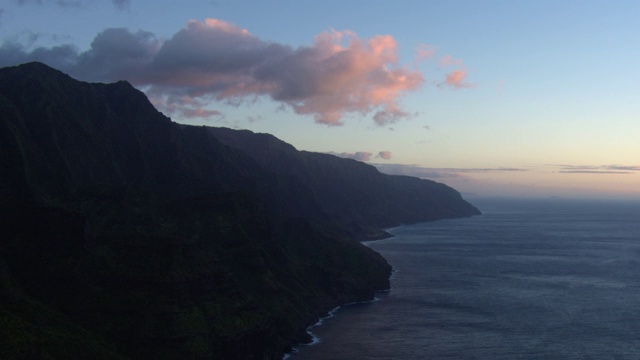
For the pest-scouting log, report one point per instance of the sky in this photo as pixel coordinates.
(535, 98)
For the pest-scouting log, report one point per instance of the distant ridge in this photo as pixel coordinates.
(351, 190)
(126, 235)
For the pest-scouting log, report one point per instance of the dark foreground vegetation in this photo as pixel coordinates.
(125, 235)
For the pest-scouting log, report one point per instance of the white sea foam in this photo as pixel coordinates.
(316, 339)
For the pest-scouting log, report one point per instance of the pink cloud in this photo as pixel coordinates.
(386, 155)
(364, 155)
(199, 113)
(456, 79)
(185, 107)
(207, 61)
(341, 73)
(448, 60)
(359, 155)
(424, 52)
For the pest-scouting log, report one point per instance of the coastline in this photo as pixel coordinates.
(334, 312)
(383, 234)
(331, 314)
(455, 313)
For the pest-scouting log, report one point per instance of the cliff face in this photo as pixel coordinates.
(127, 235)
(352, 192)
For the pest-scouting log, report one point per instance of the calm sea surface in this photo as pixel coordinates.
(529, 279)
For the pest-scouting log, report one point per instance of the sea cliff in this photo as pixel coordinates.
(126, 235)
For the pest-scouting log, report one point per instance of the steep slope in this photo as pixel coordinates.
(61, 134)
(127, 235)
(351, 191)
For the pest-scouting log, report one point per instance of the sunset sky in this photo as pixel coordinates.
(531, 98)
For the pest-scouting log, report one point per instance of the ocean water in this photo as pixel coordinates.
(529, 279)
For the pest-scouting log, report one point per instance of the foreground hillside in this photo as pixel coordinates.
(126, 235)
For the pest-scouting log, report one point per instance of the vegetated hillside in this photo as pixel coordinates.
(128, 236)
(351, 191)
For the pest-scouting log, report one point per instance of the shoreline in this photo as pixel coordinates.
(331, 314)
(334, 312)
(385, 234)
(388, 234)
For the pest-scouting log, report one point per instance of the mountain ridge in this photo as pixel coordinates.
(128, 235)
(352, 182)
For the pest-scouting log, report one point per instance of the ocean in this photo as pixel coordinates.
(528, 279)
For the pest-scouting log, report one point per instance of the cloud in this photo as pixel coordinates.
(62, 57)
(448, 60)
(386, 155)
(359, 155)
(456, 78)
(118, 54)
(485, 170)
(437, 173)
(433, 173)
(253, 119)
(620, 167)
(424, 52)
(415, 171)
(213, 60)
(363, 155)
(593, 172)
(188, 108)
(199, 113)
(599, 169)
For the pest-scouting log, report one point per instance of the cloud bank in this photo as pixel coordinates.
(364, 155)
(601, 169)
(438, 173)
(338, 74)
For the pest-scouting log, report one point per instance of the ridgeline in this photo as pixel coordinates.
(125, 235)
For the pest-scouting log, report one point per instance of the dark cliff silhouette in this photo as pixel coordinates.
(350, 191)
(125, 235)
